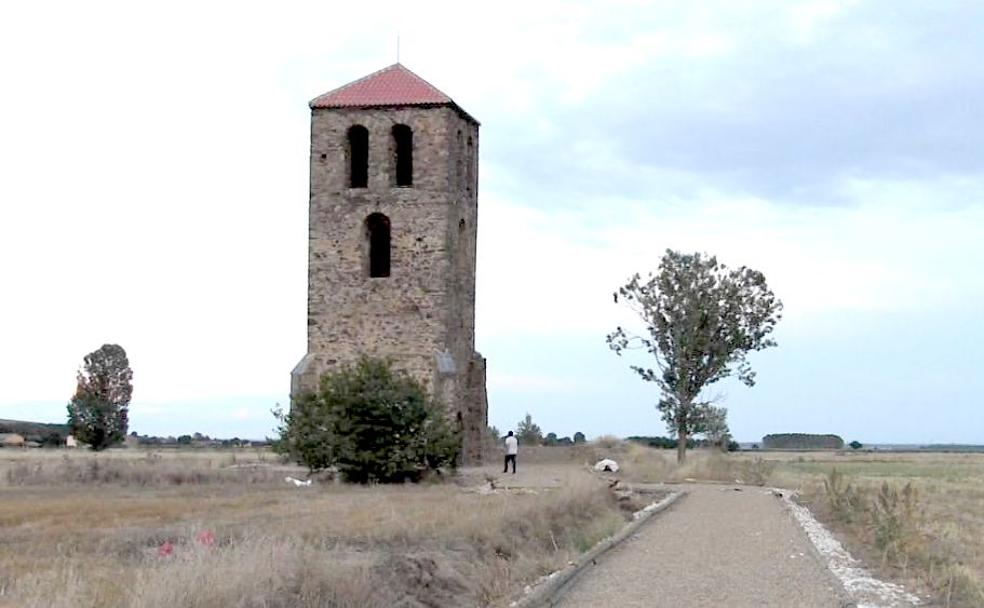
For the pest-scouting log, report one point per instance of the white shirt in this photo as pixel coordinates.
(512, 445)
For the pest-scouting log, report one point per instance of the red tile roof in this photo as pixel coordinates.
(391, 86)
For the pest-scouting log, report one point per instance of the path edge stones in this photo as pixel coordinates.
(548, 592)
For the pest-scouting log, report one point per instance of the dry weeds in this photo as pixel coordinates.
(930, 536)
(200, 530)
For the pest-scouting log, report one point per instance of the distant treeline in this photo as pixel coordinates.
(668, 443)
(802, 441)
(953, 447)
(54, 435)
(197, 440)
(38, 432)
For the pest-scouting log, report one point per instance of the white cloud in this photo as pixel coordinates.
(808, 19)
(503, 380)
(553, 273)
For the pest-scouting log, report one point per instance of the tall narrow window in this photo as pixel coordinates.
(459, 166)
(470, 167)
(358, 146)
(403, 138)
(378, 229)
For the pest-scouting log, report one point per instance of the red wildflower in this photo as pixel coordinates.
(165, 550)
(205, 538)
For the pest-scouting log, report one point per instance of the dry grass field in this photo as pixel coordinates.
(211, 529)
(221, 528)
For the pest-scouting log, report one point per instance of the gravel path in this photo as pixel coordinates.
(714, 547)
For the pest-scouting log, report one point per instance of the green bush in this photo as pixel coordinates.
(372, 423)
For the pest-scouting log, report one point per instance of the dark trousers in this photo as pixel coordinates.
(509, 458)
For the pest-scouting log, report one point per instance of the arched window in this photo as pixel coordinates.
(358, 149)
(470, 167)
(403, 140)
(378, 232)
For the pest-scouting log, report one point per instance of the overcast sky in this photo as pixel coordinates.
(153, 193)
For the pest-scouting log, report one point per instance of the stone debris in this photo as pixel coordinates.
(488, 488)
(860, 584)
(297, 482)
(606, 464)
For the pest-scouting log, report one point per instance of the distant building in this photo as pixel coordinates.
(11, 440)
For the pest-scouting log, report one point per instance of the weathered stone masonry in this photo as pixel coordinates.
(423, 314)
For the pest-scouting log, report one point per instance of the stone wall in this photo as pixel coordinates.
(427, 304)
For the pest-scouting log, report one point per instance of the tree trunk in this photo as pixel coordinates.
(681, 445)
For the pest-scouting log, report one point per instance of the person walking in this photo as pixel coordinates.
(512, 448)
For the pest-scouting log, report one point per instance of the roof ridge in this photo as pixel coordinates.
(392, 86)
(361, 80)
(421, 79)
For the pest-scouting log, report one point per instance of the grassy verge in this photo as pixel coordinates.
(919, 518)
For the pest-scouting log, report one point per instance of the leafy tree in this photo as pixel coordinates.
(579, 437)
(98, 413)
(856, 445)
(185, 440)
(715, 426)
(527, 432)
(701, 320)
(370, 422)
(550, 439)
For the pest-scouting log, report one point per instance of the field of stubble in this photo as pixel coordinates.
(222, 528)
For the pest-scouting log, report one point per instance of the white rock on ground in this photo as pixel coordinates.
(606, 464)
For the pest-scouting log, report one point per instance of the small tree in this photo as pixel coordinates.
(550, 439)
(856, 445)
(372, 423)
(527, 432)
(98, 413)
(579, 437)
(715, 426)
(701, 320)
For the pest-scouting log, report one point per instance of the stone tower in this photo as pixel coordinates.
(393, 222)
